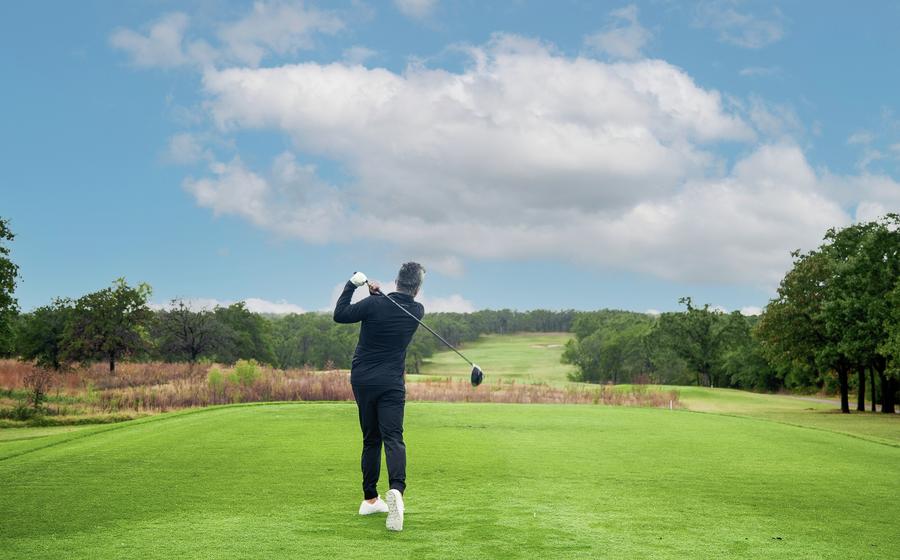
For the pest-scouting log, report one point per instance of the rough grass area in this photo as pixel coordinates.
(529, 357)
(95, 396)
(485, 481)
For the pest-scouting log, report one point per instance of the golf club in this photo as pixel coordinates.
(477, 375)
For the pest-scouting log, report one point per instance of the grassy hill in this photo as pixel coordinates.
(485, 481)
(527, 357)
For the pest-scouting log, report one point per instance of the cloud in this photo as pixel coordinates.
(751, 310)
(872, 195)
(454, 303)
(358, 54)
(416, 9)
(740, 28)
(161, 46)
(185, 148)
(256, 305)
(623, 38)
(773, 119)
(861, 137)
(527, 153)
(282, 28)
(275, 27)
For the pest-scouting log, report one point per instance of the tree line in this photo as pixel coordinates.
(117, 323)
(834, 324)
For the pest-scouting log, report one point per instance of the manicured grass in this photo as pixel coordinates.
(485, 481)
(528, 357)
(534, 357)
(884, 428)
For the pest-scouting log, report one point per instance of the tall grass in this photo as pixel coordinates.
(157, 387)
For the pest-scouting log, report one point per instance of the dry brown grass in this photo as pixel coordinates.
(147, 388)
(512, 392)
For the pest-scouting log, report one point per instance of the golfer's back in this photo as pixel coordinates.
(380, 356)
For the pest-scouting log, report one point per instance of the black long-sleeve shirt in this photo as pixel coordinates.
(386, 331)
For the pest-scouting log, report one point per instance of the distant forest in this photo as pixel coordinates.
(834, 326)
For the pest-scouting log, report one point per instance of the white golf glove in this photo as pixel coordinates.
(358, 279)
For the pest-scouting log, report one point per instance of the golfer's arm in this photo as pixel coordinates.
(346, 312)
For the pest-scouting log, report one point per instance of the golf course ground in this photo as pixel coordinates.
(281, 480)
(526, 357)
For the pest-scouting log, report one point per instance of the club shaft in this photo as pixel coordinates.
(441, 338)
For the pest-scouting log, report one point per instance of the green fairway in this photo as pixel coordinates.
(800, 411)
(526, 357)
(485, 481)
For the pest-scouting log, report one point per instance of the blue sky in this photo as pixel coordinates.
(530, 154)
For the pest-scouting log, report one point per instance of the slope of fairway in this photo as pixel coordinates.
(534, 357)
(485, 481)
(526, 357)
(801, 411)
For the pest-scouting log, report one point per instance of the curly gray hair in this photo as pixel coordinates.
(410, 278)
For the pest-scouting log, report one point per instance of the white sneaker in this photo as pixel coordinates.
(395, 511)
(365, 508)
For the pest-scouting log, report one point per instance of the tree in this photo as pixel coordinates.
(109, 324)
(865, 263)
(246, 335)
(793, 328)
(742, 360)
(610, 346)
(9, 307)
(185, 334)
(694, 337)
(41, 335)
(891, 349)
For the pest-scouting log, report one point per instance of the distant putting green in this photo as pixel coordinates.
(485, 481)
(529, 357)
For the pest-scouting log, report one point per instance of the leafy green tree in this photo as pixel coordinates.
(9, 307)
(742, 360)
(246, 335)
(185, 334)
(41, 335)
(422, 347)
(793, 328)
(890, 348)
(312, 340)
(694, 337)
(610, 346)
(109, 324)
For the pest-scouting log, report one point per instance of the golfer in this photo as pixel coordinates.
(376, 375)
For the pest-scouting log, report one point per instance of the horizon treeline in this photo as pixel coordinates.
(834, 325)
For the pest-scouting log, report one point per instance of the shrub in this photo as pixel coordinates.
(38, 381)
(247, 372)
(216, 380)
(20, 412)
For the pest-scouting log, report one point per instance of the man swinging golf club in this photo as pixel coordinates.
(376, 374)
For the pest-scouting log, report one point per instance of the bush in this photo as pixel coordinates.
(20, 412)
(247, 372)
(216, 380)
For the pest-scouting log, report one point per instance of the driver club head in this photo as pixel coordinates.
(477, 376)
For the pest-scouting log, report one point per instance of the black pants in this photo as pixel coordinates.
(381, 421)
